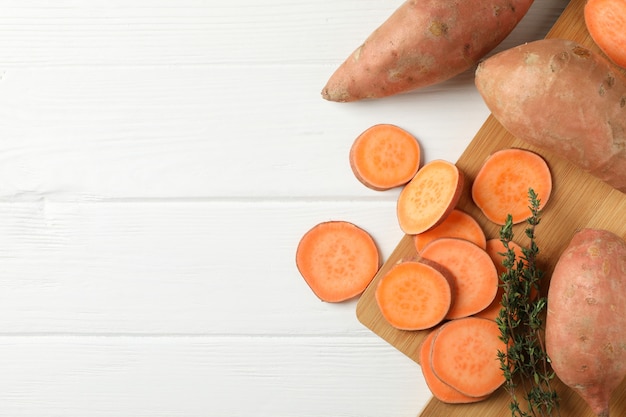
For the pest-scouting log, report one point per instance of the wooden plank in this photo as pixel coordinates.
(136, 132)
(144, 100)
(171, 267)
(578, 200)
(35, 33)
(204, 376)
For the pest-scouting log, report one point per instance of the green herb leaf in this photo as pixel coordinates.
(520, 322)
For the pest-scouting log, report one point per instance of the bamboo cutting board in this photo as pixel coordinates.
(578, 200)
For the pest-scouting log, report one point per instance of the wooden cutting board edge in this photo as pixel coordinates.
(569, 209)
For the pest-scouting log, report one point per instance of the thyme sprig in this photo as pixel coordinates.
(525, 363)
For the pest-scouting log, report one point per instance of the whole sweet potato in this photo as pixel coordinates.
(586, 318)
(422, 43)
(564, 98)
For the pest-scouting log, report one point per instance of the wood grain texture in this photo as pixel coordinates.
(153, 132)
(578, 200)
(171, 376)
(101, 34)
(96, 269)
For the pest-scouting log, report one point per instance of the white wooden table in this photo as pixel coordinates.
(159, 160)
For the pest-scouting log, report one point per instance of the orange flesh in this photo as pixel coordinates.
(464, 356)
(495, 248)
(457, 224)
(337, 260)
(606, 23)
(475, 277)
(440, 390)
(501, 185)
(429, 197)
(413, 296)
(385, 156)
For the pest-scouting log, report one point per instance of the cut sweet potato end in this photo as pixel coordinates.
(429, 197)
(605, 21)
(413, 296)
(475, 277)
(464, 356)
(440, 390)
(502, 184)
(457, 224)
(337, 260)
(385, 156)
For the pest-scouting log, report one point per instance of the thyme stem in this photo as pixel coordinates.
(525, 363)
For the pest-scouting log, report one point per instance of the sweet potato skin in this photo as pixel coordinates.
(423, 42)
(563, 98)
(586, 316)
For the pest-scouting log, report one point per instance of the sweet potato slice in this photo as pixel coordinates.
(464, 356)
(440, 390)
(502, 183)
(475, 277)
(413, 296)
(337, 259)
(457, 224)
(385, 156)
(494, 249)
(429, 197)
